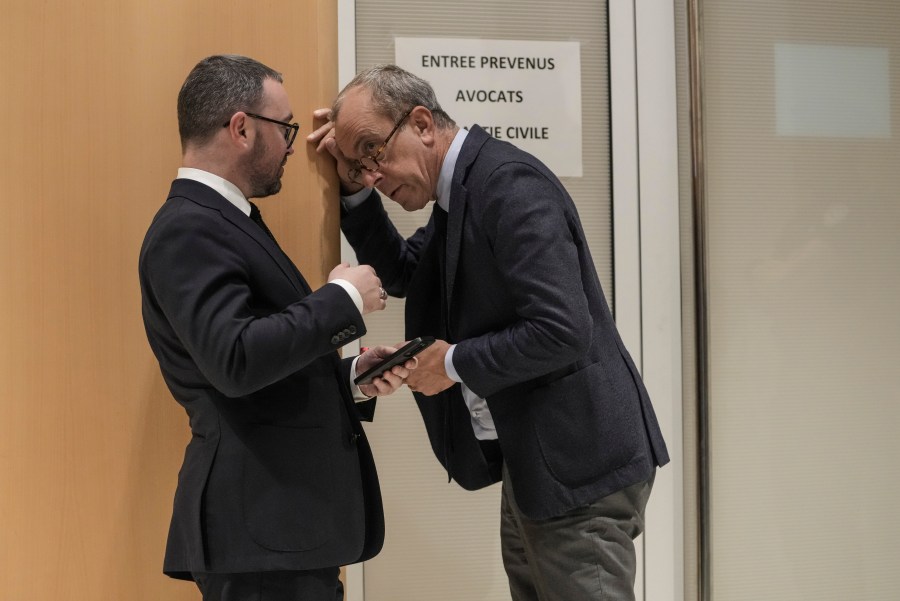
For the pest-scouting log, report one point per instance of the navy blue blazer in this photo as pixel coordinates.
(278, 474)
(519, 295)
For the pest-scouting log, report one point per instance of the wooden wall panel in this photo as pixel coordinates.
(90, 439)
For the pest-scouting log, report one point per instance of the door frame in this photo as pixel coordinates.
(647, 265)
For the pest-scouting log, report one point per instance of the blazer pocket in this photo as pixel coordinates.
(286, 472)
(585, 425)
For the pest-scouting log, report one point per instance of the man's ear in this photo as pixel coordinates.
(237, 128)
(422, 122)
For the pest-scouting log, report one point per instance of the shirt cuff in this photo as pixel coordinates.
(355, 296)
(448, 365)
(358, 395)
(355, 199)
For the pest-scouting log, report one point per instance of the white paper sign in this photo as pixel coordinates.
(525, 92)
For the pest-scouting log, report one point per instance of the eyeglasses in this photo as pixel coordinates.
(371, 163)
(290, 129)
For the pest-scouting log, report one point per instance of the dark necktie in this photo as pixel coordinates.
(285, 262)
(440, 238)
(440, 242)
(256, 216)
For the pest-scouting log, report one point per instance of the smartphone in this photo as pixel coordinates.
(402, 355)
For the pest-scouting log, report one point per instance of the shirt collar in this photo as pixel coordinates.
(224, 187)
(446, 175)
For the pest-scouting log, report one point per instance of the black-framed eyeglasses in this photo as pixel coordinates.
(371, 163)
(290, 129)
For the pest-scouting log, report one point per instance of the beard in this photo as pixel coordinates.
(263, 177)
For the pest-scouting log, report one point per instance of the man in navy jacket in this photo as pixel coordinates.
(529, 382)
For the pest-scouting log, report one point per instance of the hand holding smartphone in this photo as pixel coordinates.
(402, 355)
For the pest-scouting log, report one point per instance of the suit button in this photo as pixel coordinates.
(352, 330)
(335, 340)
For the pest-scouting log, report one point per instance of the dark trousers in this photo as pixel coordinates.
(585, 554)
(310, 585)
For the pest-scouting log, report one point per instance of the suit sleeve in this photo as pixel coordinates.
(377, 242)
(198, 274)
(533, 235)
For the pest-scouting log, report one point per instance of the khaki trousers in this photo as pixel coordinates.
(586, 554)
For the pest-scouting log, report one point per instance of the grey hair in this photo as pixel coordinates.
(215, 89)
(395, 91)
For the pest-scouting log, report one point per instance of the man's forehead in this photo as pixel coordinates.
(352, 127)
(275, 96)
(356, 124)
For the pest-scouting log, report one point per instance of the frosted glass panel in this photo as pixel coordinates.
(804, 286)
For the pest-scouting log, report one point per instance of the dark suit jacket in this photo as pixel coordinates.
(278, 474)
(520, 296)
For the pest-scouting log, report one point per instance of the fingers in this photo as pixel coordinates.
(338, 270)
(375, 299)
(322, 113)
(323, 136)
(373, 355)
(402, 371)
(385, 384)
(391, 380)
(429, 376)
(366, 282)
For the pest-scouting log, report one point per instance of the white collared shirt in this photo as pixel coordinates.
(221, 185)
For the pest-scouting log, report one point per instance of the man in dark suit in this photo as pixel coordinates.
(529, 382)
(278, 487)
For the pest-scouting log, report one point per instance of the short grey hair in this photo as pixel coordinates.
(395, 91)
(215, 89)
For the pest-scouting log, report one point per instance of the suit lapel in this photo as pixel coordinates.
(459, 200)
(207, 197)
(278, 255)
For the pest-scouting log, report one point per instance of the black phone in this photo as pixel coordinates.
(402, 355)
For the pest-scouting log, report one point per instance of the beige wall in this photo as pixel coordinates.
(90, 439)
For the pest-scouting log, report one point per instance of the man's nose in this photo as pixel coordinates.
(371, 178)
